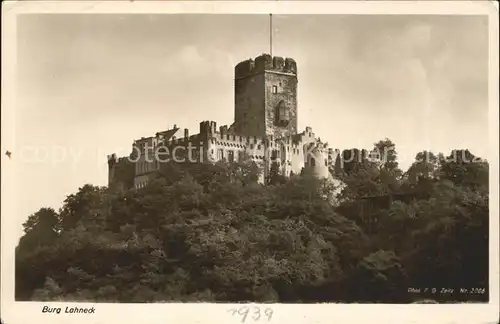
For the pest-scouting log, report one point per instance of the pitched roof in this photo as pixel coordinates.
(168, 133)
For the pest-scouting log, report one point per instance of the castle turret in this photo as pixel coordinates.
(317, 159)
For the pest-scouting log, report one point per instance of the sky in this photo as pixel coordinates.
(89, 84)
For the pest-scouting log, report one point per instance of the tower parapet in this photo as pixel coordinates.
(208, 127)
(112, 159)
(265, 63)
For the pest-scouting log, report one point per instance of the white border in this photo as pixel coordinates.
(30, 312)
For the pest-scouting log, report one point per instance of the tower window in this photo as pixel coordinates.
(282, 114)
(275, 89)
(313, 162)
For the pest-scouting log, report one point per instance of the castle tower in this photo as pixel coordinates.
(112, 161)
(265, 97)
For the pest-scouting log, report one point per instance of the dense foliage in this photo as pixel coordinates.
(212, 233)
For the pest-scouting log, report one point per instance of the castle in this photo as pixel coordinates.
(264, 130)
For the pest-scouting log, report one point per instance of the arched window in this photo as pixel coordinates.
(282, 114)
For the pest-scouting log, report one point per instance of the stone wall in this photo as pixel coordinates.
(260, 86)
(249, 105)
(280, 88)
(121, 172)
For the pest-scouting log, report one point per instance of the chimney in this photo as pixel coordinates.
(186, 132)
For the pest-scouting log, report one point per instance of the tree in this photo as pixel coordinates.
(210, 232)
(45, 219)
(380, 276)
(84, 206)
(385, 156)
(450, 237)
(275, 176)
(463, 168)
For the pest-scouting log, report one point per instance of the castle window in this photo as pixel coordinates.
(220, 154)
(258, 147)
(326, 163)
(275, 89)
(282, 114)
(230, 156)
(313, 162)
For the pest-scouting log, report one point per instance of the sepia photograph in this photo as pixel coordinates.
(249, 158)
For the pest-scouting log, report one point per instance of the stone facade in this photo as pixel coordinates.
(266, 97)
(264, 130)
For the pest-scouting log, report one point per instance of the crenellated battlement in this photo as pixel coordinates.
(112, 159)
(265, 62)
(208, 127)
(264, 130)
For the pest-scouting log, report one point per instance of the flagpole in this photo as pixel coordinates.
(271, 34)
